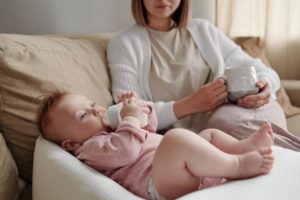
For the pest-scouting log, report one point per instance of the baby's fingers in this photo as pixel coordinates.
(146, 109)
(126, 95)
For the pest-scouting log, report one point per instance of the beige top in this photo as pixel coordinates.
(177, 70)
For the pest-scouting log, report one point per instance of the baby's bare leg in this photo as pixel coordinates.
(183, 157)
(262, 138)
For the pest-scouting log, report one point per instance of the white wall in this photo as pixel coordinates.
(75, 16)
(205, 9)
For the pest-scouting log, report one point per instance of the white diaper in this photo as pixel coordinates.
(154, 194)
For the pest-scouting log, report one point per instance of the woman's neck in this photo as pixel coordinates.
(161, 25)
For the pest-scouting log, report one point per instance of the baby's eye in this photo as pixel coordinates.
(93, 104)
(83, 116)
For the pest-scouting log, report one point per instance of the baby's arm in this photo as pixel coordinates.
(115, 149)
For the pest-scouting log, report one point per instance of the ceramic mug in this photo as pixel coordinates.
(240, 82)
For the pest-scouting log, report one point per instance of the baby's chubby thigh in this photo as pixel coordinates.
(170, 177)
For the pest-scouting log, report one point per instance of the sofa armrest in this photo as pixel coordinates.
(292, 88)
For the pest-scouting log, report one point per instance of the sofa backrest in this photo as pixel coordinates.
(31, 66)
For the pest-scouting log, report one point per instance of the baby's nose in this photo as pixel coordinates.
(97, 111)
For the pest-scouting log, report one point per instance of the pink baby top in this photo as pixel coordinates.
(125, 155)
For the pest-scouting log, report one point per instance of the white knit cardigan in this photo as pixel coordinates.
(129, 59)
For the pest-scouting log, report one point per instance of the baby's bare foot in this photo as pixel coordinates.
(255, 163)
(262, 138)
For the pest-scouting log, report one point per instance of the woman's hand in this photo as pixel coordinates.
(257, 100)
(208, 97)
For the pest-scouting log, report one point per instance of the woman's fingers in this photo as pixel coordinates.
(222, 96)
(217, 91)
(216, 84)
(257, 100)
(221, 92)
(253, 104)
(212, 95)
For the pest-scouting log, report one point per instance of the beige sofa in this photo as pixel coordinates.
(31, 66)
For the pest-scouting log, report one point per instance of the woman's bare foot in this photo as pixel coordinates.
(262, 138)
(255, 163)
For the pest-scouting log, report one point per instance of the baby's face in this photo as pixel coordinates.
(78, 118)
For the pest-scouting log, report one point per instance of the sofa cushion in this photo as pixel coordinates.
(254, 48)
(31, 66)
(293, 124)
(8, 173)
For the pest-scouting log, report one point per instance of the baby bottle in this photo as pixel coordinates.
(113, 116)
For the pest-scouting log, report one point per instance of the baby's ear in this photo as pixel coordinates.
(69, 145)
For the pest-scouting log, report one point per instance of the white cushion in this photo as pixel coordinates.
(282, 183)
(59, 175)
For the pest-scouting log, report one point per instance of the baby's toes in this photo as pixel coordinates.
(265, 151)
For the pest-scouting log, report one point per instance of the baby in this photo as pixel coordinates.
(148, 164)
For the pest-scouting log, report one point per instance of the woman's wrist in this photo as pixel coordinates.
(183, 108)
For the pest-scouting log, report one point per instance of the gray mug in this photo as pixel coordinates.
(240, 82)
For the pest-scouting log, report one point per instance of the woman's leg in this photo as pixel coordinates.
(241, 122)
(261, 138)
(183, 157)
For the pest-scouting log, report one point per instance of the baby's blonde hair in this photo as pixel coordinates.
(45, 117)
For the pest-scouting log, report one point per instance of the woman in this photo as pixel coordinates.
(175, 62)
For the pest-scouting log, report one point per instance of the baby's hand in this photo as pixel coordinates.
(132, 107)
(132, 111)
(132, 96)
(127, 95)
